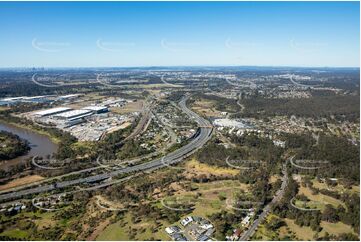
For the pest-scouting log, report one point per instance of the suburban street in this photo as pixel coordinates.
(279, 194)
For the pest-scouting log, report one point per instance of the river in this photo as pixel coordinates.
(41, 145)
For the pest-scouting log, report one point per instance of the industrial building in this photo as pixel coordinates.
(74, 114)
(37, 99)
(33, 99)
(73, 117)
(94, 119)
(96, 109)
(51, 111)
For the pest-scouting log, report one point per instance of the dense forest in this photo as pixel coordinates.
(343, 157)
(342, 107)
(249, 147)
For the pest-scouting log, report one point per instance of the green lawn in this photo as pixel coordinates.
(119, 231)
(320, 198)
(309, 205)
(113, 232)
(15, 233)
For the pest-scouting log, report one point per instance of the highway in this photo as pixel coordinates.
(176, 156)
(299, 84)
(251, 84)
(279, 194)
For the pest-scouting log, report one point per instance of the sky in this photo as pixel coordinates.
(126, 34)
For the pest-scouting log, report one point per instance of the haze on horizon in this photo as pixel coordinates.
(125, 34)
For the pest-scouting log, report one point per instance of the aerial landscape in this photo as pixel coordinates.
(120, 122)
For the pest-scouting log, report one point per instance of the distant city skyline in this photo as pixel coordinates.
(143, 34)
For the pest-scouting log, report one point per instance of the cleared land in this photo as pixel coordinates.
(206, 108)
(21, 181)
(195, 167)
(130, 107)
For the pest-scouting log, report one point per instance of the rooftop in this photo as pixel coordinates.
(94, 108)
(52, 110)
(73, 113)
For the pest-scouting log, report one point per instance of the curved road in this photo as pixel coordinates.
(202, 137)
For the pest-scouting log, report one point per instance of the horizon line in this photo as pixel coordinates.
(183, 66)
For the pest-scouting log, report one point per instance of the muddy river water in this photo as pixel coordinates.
(41, 145)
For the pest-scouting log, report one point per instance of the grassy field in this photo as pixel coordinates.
(320, 198)
(114, 232)
(302, 233)
(120, 230)
(335, 228)
(292, 231)
(221, 184)
(45, 219)
(19, 230)
(15, 233)
(129, 107)
(206, 108)
(208, 198)
(309, 205)
(194, 166)
(339, 188)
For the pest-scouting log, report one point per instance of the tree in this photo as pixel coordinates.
(330, 214)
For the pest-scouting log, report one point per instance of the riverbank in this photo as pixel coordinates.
(40, 143)
(33, 128)
(12, 146)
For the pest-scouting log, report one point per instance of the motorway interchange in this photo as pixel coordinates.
(202, 136)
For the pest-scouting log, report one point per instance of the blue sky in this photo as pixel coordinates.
(96, 34)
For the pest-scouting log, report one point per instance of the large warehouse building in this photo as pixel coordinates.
(66, 117)
(97, 109)
(77, 113)
(51, 111)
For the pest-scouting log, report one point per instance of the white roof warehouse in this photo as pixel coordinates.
(52, 111)
(74, 114)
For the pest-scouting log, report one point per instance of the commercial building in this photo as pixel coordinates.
(230, 123)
